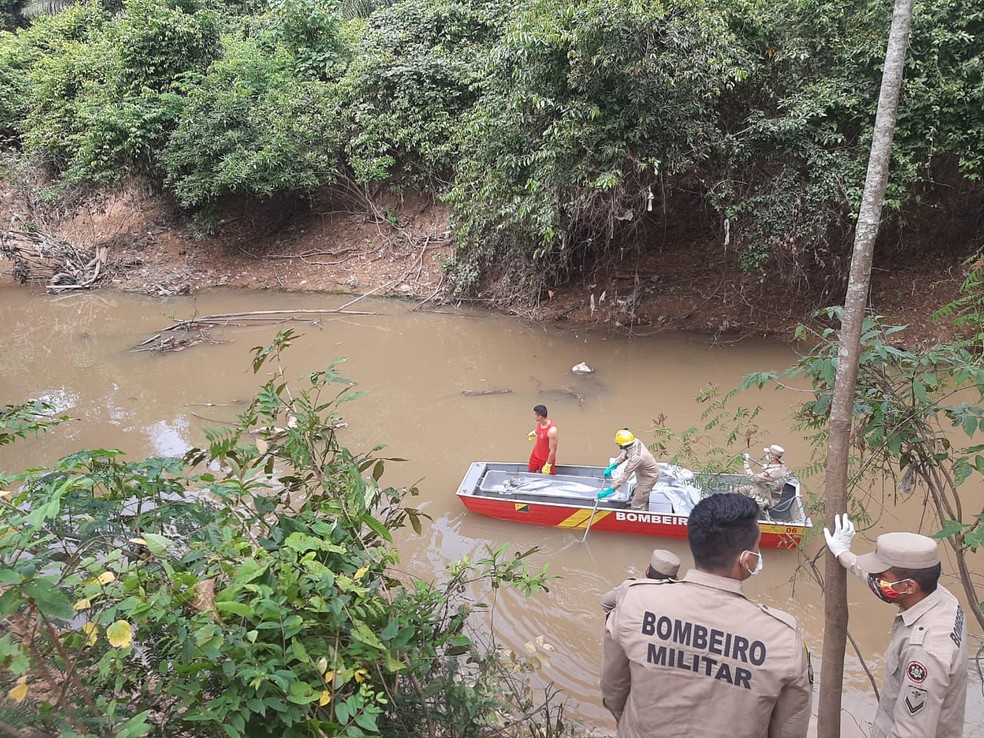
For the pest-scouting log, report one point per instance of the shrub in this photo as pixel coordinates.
(245, 590)
(250, 127)
(418, 72)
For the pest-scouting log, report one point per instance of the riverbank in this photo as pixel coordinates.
(391, 245)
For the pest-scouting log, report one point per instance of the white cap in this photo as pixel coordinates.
(774, 449)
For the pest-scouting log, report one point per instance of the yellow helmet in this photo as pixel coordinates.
(624, 437)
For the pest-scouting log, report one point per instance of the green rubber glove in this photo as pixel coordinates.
(607, 474)
(606, 492)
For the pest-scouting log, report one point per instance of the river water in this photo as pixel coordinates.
(422, 371)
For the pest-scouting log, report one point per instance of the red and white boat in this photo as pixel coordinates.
(568, 499)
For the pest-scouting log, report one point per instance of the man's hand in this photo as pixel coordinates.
(547, 468)
(607, 474)
(843, 535)
(606, 492)
(531, 435)
(746, 457)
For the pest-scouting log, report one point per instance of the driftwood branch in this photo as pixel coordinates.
(44, 259)
(477, 393)
(187, 333)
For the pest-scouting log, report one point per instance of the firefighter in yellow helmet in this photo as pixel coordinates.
(638, 459)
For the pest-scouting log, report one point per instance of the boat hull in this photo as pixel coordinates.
(612, 517)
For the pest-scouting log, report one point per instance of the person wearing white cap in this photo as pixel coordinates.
(925, 689)
(766, 486)
(662, 565)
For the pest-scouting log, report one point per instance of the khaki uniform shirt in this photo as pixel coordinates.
(641, 461)
(924, 694)
(768, 483)
(613, 596)
(697, 658)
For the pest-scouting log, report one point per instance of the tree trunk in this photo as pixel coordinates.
(841, 413)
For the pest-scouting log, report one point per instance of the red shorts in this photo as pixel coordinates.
(536, 465)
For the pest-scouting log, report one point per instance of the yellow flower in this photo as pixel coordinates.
(325, 697)
(81, 605)
(360, 572)
(19, 691)
(360, 675)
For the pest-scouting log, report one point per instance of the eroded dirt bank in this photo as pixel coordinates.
(399, 245)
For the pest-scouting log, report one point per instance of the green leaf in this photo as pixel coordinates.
(366, 721)
(234, 608)
(363, 634)
(950, 527)
(377, 527)
(9, 601)
(157, 544)
(49, 599)
(9, 576)
(302, 542)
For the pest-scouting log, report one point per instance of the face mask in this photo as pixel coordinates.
(758, 567)
(885, 591)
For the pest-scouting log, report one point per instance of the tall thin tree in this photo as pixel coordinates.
(841, 413)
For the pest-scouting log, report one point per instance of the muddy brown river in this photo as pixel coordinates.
(424, 373)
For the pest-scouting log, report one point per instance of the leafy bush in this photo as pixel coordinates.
(250, 127)
(586, 107)
(417, 73)
(246, 590)
(308, 30)
(101, 100)
(13, 84)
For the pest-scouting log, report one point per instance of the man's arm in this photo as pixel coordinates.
(770, 474)
(552, 440)
(632, 458)
(917, 708)
(849, 560)
(615, 672)
(791, 713)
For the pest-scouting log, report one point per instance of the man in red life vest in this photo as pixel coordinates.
(544, 455)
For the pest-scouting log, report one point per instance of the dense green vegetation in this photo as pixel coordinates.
(559, 131)
(249, 589)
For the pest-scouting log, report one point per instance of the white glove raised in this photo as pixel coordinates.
(843, 535)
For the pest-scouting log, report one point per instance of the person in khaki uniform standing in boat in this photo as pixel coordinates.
(924, 694)
(766, 486)
(698, 658)
(638, 459)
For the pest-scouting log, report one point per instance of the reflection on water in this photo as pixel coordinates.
(428, 377)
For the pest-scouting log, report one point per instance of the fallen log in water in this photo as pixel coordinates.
(199, 326)
(476, 393)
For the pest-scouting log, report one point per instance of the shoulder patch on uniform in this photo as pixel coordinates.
(916, 672)
(782, 617)
(915, 699)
